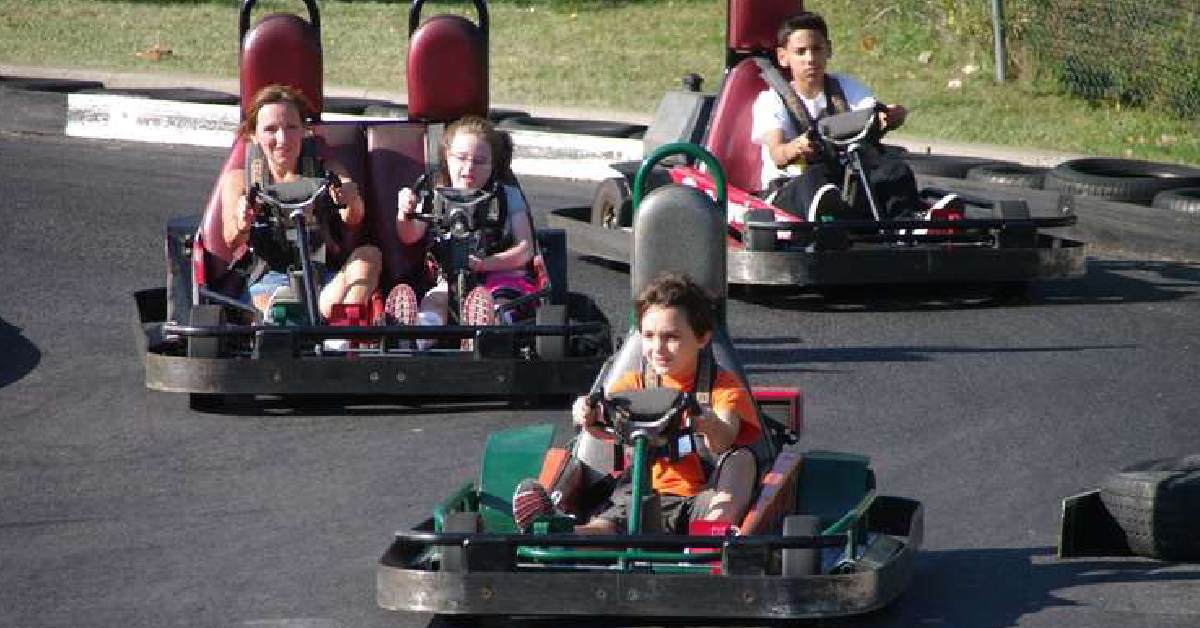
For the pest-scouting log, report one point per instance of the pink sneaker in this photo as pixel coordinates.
(477, 308)
(401, 306)
(530, 503)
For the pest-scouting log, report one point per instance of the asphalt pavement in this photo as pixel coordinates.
(123, 507)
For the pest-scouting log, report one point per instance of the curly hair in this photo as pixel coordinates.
(674, 290)
(275, 93)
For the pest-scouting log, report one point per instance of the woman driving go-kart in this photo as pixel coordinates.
(280, 152)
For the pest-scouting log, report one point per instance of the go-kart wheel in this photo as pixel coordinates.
(1157, 503)
(205, 315)
(453, 556)
(551, 347)
(804, 561)
(455, 621)
(759, 239)
(612, 207)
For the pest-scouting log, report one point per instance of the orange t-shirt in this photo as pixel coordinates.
(685, 476)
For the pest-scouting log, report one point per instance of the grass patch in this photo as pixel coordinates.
(619, 55)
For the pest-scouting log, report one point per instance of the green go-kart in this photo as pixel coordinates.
(818, 539)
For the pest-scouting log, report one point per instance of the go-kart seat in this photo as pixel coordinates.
(286, 49)
(752, 31)
(447, 70)
(396, 158)
(696, 230)
(728, 136)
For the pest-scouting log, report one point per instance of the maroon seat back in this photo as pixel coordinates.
(285, 49)
(396, 158)
(751, 31)
(447, 70)
(728, 136)
(752, 24)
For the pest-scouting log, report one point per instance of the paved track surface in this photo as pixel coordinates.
(122, 507)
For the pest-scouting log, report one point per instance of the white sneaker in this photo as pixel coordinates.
(826, 204)
(944, 202)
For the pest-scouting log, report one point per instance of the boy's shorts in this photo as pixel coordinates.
(675, 512)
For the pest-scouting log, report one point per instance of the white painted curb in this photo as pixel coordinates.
(130, 118)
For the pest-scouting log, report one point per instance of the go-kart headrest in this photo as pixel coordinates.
(447, 70)
(728, 136)
(285, 49)
(679, 229)
(753, 24)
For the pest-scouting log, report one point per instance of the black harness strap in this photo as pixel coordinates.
(702, 385)
(802, 119)
(265, 250)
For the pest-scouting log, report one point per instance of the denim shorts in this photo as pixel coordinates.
(268, 283)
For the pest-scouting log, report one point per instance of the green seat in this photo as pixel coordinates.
(508, 457)
(831, 484)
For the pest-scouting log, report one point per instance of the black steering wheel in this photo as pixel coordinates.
(654, 413)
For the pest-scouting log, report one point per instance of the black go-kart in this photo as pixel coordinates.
(197, 337)
(989, 236)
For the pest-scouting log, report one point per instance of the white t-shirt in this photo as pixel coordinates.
(769, 114)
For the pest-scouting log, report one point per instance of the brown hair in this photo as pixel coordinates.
(498, 141)
(804, 21)
(274, 93)
(674, 290)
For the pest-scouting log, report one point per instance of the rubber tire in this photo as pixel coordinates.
(936, 165)
(1127, 180)
(801, 562)
(600, 128)
(453, 557)
(1182, 200)
(612, 202)
(1012, 175)
(657, 177)
(1157, 504)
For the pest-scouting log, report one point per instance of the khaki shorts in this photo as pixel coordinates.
(675, 512)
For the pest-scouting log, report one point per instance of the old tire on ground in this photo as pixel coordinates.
(1128, 180)
(612, 206)
(1012, 175)
(600, 128)
(1157, 505)
(801, 561)
(936, 165)
(1184, 200)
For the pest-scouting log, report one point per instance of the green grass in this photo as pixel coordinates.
(617, 55)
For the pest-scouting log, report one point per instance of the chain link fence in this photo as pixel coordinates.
(1141, 53)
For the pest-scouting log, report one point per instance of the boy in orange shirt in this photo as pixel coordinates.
(675, 318)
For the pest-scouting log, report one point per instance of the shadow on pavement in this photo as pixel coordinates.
(20, 355)
(1106, 281)
(991, 588)
(988, 588)
(779, 354)
(327, 405)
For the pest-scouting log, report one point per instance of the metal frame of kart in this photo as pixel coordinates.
(1001, 240)
(559, 353)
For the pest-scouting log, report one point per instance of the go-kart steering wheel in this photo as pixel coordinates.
(845, 129)
(654, 413)
(284, 200)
